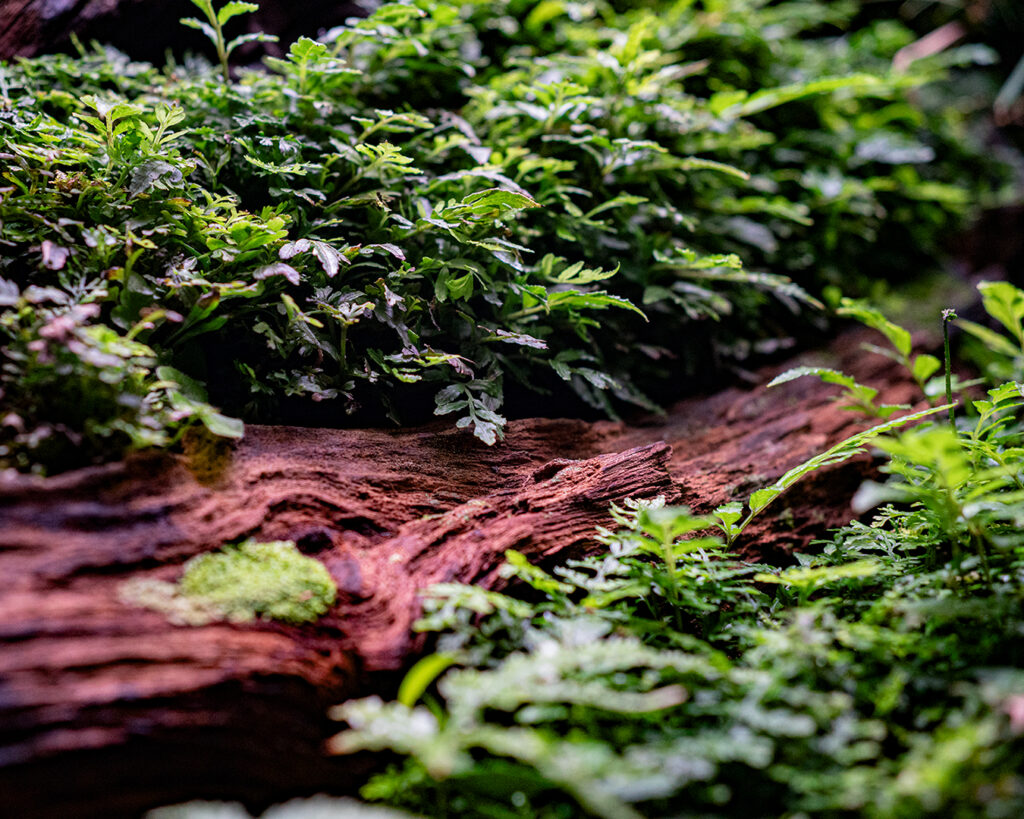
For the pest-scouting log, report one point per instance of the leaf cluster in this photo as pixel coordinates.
(440, 204)
(878, 677)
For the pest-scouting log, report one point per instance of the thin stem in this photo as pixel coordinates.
(947, 316)
(222, 53)
(529, 311)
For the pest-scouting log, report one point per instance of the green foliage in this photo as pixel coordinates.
(662, 677)
(1000, 353)
(73, 391)
(213, 29)
(464, 201)
(843, 451)
(825, 696)
(857, 396)
(273, 581)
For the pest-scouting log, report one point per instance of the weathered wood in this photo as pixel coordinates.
(106, 708)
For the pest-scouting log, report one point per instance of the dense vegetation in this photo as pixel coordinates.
(663, 677)
(446, 204)
(446, 207)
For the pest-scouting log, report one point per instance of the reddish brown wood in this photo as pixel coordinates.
(106, 708)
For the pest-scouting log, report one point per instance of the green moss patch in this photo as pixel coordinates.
(239, 583)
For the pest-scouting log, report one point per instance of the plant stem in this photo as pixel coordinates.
(948, 315)
(529, 311)
(222, 53)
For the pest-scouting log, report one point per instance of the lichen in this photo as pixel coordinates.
(240, 583)
(167, 599)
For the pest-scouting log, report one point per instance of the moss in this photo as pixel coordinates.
(270, 580)
(240, 583)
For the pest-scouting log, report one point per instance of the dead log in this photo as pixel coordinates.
(106, 709)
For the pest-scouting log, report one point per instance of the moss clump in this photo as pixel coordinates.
(270, 580)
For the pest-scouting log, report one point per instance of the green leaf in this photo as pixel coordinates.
(738, 104)
(306, 50)
(842, 451)
(808, 578)
(206, 6)
(1005, 303)
(206, 28)
(578, 274)
(729, 513)
(761, 498)
(925, 366)
(500, 199)
(294, 168)
(254, 37)
(829, 376)
(421, 676)
(597, 300)
(693, 163)
(223, 425)
(233, 9)
(990, 338)
(869, 316)
(518, 566)
(460, 288)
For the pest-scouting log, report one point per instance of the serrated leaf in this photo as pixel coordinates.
(307, 50)
(826, 374)
(277, 269)
(146, 175)
(294, 168)
(233, 8)
(898, 337)
(694, 163)
(761, 498)
(206, 28)
(842, 451)
(739, 104)
(254, 37)
(597, 300)
(1005, 303)
(330, 259)
(522, 339)
(729, 513)
(500, 199)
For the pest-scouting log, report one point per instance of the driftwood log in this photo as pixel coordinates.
(106, 709)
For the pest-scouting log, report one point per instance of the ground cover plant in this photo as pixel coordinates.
(447, 208)
(450, 208)
(880, 676)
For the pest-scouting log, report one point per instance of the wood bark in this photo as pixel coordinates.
(106, 708)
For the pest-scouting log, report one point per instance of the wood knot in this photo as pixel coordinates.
(551, 468)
